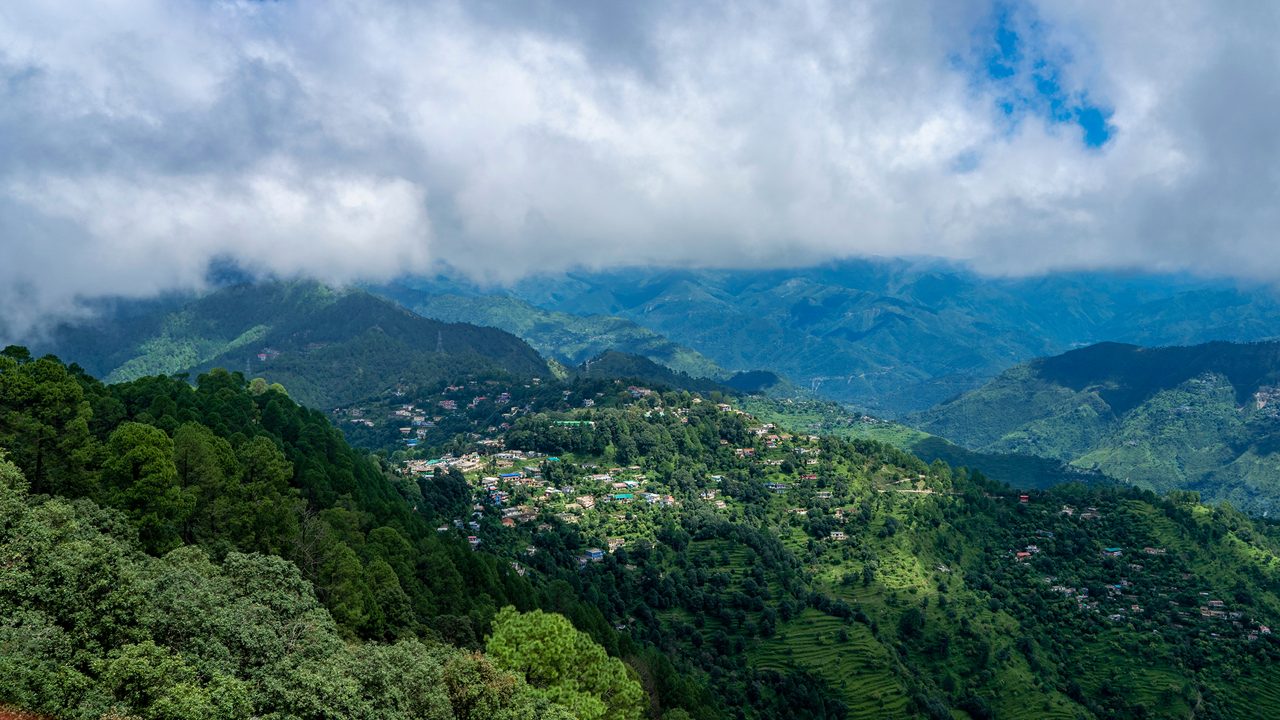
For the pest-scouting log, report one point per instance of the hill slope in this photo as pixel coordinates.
(823, 417)
(214, 551)
(1201, 418)
(570, 339)
(326, 346)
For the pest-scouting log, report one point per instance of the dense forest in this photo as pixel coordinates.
(183, 548)
(216, 550)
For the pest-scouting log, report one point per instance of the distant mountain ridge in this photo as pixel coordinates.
(1203, 417)
(893, 336)
(326, 346)
(625, 366)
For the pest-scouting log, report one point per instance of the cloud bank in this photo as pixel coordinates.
(142, 139)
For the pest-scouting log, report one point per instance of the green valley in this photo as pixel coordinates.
(902, 589)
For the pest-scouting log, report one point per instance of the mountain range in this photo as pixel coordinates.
(332, 347)
(889, 336)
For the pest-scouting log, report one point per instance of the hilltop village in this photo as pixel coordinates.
(409, 418)
(1072, 558)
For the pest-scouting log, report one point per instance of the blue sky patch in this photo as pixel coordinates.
(1025, 74)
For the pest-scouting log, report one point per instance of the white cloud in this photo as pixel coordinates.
(367, 139)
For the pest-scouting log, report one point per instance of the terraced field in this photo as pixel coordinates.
(1109, 669)
(858, 668)
(1166, 694)
(874, 673)
(1255, 698)
(1020, 699)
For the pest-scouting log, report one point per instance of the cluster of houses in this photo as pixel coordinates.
(354, 416)
(1210, 609)
(1217, 610)
(413, 422)
(1090, 513)
(510, 484)
(522, 494)
(1119, 598)
(1267, 398)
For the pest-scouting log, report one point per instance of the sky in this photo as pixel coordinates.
(142, 141)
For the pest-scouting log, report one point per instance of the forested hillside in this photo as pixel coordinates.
(216, 550)
(141, 526)
(328, 346)
(568, 338)
(625, 366)
(91, 627)
(1201, 417)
